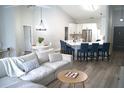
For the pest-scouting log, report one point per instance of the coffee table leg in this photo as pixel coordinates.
(74, 85)
(60, 84)
(69, 85)
(83, 85)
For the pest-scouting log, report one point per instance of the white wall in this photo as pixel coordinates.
(114, 20)
(0, 27)
(24, 16)
(55, 21)
(102, 22)
(12, 26)
(106, 24)
(8, 29)
(110, 27)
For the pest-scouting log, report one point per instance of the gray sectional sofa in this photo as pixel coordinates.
(48, 68)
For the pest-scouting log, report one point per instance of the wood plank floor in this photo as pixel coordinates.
(101, 74)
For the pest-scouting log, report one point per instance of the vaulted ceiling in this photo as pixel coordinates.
(77, 12)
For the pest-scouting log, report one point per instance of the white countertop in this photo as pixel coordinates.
(78, 43)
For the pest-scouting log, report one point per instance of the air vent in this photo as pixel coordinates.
(91, 18)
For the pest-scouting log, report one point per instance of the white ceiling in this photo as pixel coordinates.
(78, 13)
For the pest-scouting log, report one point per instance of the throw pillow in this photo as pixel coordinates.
(26, 59)
(53, 57)
(30, 65)
(43, 55)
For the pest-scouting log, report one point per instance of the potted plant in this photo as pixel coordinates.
(40, 40)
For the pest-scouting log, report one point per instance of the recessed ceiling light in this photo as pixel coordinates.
(90, 7)
(121, 19)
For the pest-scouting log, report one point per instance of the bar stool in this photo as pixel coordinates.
(104, 50)
(83, 51)
(63, 46)
(70, 50)
(94, 51)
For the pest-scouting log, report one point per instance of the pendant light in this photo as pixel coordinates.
(121, 18)
(41, 26)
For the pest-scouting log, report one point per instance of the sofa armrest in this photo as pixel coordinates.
(67, 57)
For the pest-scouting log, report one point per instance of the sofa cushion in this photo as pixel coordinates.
(26, 59)
(2, 69)
(30, 65)
(43, 55)
(7, 81)
(53, 57)
(38, 73)
(67, 57)
(56, 65)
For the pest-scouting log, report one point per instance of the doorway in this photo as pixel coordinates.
(118, 39)
(66, 33)
(27, 39)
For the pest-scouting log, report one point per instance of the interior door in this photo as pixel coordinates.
(27, 38)
(118, 41)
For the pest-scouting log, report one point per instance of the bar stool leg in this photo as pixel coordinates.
(86, 56)
(80, 56)
(83, 84)
(74, 85)
(108, 56)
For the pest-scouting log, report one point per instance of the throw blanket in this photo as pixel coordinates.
(11, 67)
(25, 84)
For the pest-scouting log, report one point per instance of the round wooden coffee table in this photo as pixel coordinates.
(81, 78)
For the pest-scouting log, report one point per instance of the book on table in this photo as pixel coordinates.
(71, 74)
